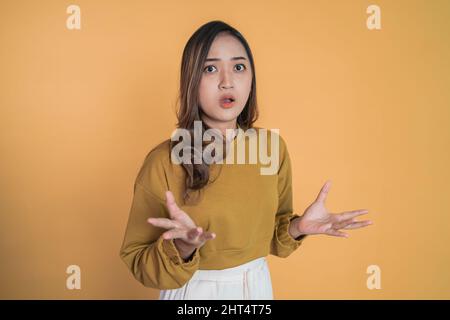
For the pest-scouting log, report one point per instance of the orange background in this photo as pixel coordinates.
(369, 110)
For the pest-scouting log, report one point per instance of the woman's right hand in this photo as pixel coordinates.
(187, 236)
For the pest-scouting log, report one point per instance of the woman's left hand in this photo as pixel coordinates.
(317, 220)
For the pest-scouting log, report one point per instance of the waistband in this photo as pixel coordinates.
(234, 273)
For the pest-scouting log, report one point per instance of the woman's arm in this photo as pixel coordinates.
(285, 240)
(153, 260)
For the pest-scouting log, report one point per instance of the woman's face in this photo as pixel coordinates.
(226, 74)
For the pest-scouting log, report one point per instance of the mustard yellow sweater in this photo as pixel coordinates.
(248, 211)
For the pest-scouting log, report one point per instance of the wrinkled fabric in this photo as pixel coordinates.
(249, 281)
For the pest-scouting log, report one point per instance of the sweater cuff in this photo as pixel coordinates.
(172, 252)
(283, 235)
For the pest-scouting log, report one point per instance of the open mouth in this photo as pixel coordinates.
(227, 102)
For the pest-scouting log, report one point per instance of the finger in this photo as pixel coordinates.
(351, 214)
(322, 196)
(193, 233)
(162, 223)
(336, 233)
(174, 210)
(342, 224)
(174, 234)
(345, 223)
(207, 236)
(358, 224)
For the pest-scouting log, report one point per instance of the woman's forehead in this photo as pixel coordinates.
(225, 47)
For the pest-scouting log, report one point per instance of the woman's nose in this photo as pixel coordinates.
(226, 81)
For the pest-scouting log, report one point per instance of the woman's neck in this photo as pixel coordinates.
(221, 125)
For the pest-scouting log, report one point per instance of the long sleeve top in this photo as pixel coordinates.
(249, 212)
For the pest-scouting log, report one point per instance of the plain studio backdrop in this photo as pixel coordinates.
(368, 109)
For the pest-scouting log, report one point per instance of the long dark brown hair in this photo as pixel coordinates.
(194, 55)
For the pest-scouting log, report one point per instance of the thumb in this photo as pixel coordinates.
(322, 196)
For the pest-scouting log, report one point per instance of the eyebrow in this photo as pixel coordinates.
(233, 58)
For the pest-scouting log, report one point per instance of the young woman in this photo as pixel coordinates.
(201, 230)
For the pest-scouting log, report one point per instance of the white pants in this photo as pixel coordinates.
(248, 281)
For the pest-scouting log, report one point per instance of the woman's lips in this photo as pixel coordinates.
(227, 103)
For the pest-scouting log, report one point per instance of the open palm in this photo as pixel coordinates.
(180, 225)
(317, 220)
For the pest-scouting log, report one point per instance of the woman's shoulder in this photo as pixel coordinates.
(269, 130)
(273, 133)
(152, 172)
(159, 153)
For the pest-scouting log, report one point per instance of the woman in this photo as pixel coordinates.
(200, 229)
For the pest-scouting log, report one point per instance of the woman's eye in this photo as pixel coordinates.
(240, 67)
(208, 69)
